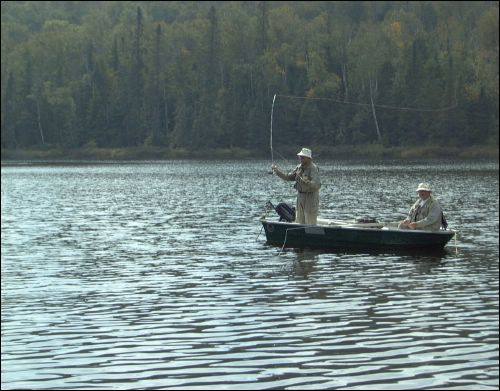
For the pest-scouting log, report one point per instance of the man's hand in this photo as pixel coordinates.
(406, 223)
(305, 179)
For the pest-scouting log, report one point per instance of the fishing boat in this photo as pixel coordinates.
(357, 235)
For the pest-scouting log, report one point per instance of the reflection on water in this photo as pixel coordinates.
(151, 276)
(424, 262)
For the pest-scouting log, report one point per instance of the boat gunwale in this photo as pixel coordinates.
(352, 227)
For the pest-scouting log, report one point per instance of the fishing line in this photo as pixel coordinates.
(348, 103)
(369, 104)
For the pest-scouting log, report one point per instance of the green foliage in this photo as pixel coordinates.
(202, 75)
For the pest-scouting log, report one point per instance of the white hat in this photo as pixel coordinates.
(305, 152)
(424, 187)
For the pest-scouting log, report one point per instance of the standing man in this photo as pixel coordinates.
(307, 184)
(426, 213)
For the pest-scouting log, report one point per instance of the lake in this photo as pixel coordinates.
(157, 275)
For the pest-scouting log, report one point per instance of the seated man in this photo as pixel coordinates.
(425, 214)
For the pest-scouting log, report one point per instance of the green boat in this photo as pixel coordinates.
(330, 234)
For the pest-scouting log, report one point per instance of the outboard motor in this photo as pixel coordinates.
(285, 211)
(444, 223)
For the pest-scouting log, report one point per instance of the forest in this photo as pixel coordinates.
(195, 75)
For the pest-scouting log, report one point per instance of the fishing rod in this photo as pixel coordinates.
(271, 136)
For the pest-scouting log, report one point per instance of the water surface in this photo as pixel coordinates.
(156, 275)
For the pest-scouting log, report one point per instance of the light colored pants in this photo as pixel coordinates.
(307, 208)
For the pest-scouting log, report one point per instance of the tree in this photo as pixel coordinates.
(9, 139)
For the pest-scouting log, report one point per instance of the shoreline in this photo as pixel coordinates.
(355, 152)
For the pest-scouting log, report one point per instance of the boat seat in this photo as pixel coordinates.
(348, 223)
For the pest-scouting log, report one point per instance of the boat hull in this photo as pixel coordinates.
(346, 237)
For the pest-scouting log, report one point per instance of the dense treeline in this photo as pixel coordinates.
(203, 74)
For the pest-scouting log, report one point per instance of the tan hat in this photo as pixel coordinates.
(305, 152)
(424, 187)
